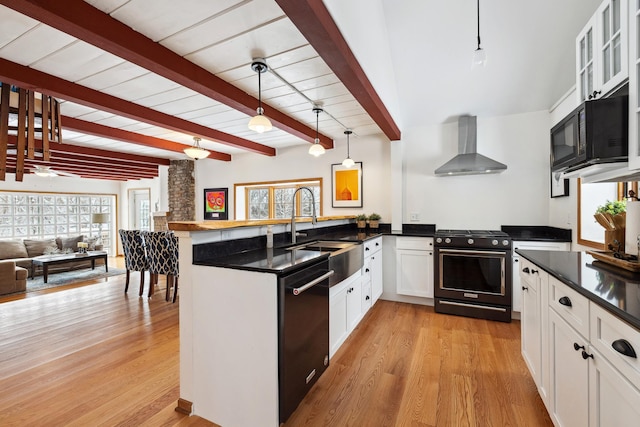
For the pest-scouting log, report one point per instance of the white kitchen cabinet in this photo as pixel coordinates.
(534, 321)
(345, 310)
(569, 389)
(529, 245)
(372, 268)
(602, 51)
(414, 266)
(634, 74)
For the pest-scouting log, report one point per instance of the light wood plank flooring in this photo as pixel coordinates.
(89, 355)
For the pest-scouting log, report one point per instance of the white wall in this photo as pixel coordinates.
(518, 196)
(296, 163)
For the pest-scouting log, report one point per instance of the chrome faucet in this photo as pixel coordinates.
(293, 211)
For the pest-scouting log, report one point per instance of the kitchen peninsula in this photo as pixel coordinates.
(229, 308)
(580, 334)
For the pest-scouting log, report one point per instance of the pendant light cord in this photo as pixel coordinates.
(478, 24)
(260, 88)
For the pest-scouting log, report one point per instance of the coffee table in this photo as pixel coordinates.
(46, 260)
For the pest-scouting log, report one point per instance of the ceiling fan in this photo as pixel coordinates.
(46, 171)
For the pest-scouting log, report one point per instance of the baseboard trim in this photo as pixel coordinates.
(184, 406)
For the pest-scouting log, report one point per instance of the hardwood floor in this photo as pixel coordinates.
(89, 355)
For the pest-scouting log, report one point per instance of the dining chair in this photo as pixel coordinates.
(135, 255)
(162, 249)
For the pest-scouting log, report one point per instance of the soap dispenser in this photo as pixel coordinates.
(269, 237)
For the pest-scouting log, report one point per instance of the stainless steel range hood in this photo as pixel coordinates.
(469, 161)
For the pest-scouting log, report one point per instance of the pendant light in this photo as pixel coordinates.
(479, 55)
(348, 162)
(316, 149)
(195, 151)
(259, 123)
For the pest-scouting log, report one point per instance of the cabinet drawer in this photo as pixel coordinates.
(570, 305)
(414, 243)
(528, 272)
(372, 246)
(606, 329)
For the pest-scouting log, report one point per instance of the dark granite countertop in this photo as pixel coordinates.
(539, 233)
(614, 289)
(251, 254)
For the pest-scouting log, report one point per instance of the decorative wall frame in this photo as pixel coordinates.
(346, 186)
(216, 203)
(559, 187)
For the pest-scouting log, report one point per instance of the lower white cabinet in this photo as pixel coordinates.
(570, 352)
(414, 266)
(569, 389)
(372, 269)
(345, 310)
(515, 259)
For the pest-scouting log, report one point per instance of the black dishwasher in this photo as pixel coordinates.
(303, 332)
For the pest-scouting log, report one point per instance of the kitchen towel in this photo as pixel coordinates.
(632, 228)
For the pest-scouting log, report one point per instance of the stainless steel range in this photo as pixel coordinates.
(473, 273)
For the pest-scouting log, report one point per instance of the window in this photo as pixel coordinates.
(42, 216)
(592, 195)
(273, 200)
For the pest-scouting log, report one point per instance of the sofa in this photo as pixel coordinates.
(12, 278)
(23, 251)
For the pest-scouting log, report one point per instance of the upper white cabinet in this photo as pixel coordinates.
(602, 51)
(634, 72)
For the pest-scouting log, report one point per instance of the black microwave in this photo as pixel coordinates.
(595, 132)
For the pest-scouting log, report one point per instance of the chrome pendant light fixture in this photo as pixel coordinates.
(259, 123)
(195, 151)
(479, 55)
(316, 149)
(348, 162)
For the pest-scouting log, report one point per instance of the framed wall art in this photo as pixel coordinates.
(346, 186)
(216, 203)
(559, 187)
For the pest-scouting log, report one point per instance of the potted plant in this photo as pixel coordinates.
(374, 220)
(361, 220)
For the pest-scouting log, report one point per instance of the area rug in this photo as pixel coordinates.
(71, 277)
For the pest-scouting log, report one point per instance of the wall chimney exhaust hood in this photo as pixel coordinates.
(469, 161)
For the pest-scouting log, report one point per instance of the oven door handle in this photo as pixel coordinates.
(301, 289)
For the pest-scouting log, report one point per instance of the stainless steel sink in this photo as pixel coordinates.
(345, 258)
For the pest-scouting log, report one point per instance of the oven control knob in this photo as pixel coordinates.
(470, 241)
(494, 242)
(447, 240)
(505, 243)
(439, 240)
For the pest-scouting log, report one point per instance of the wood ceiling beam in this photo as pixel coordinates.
(30, 78)
(83, 21)
(314, 21)
(97, 153)
(96, 129)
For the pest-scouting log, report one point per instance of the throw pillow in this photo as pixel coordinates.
(65, 243)
(93, 242)
(11, 249)
(37, 247)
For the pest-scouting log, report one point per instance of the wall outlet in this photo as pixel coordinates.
(414, 217)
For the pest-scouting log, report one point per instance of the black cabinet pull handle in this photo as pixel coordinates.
(377, 244)
(524, 288)
(577, 347)
(624, 347)
(534, 271)
(565, 301)
(586, 355)
(515, 260)
(367, 298)
(525, 270)
(366, 270)
(366, 249)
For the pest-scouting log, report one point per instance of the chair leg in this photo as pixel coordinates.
(175, 288)
(168, 289)
(126, 283)
(153, 280)
(141, 283)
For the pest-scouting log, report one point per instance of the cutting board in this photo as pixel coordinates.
(607, 257)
